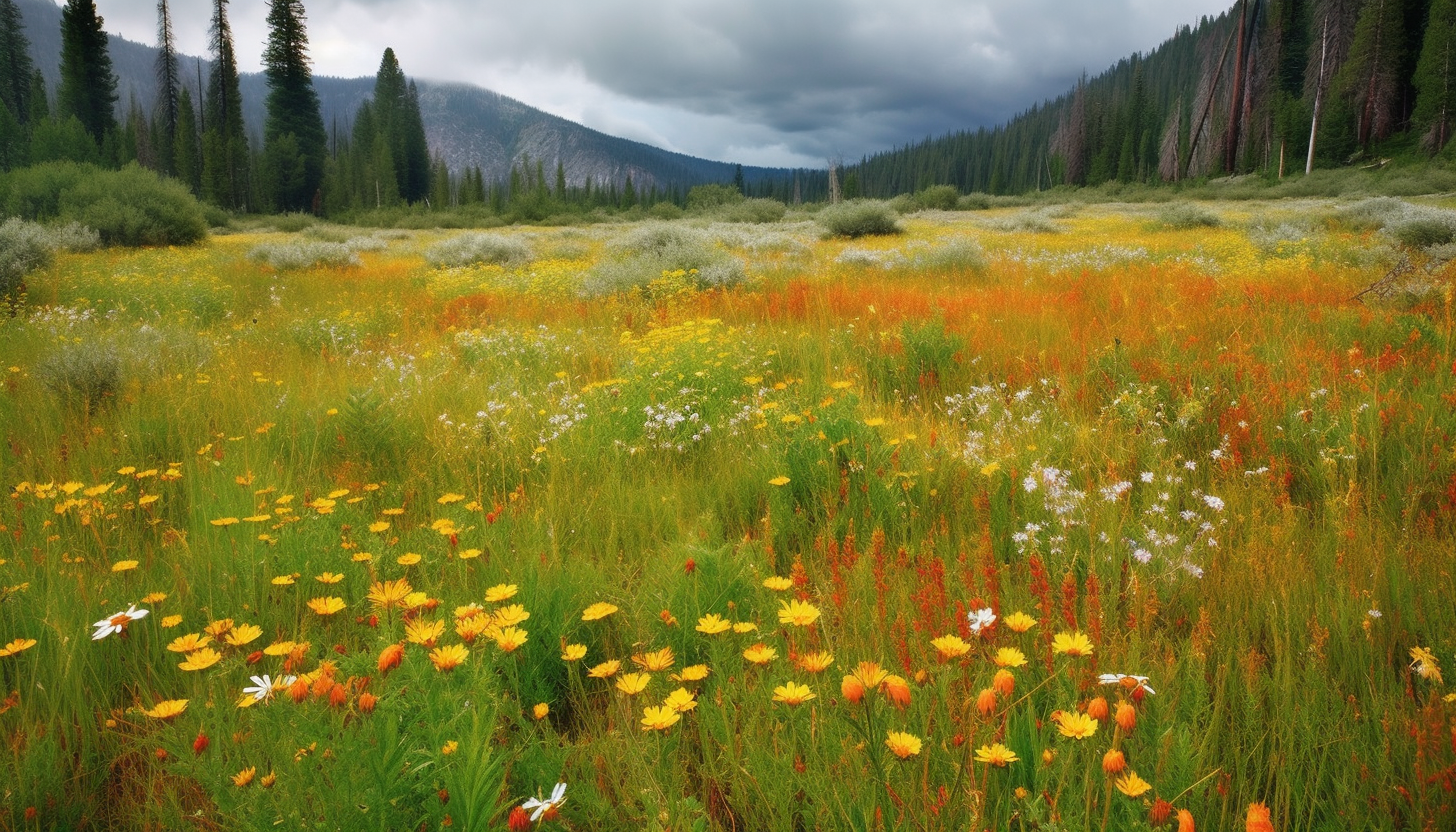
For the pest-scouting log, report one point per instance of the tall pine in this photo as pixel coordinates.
(15, 65)
(1370, 78)
(186, 144)
(294, 141)
(168, 84)
(225, 174)
(88, 86)
(1435, 78)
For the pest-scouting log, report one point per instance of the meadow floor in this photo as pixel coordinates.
(849, 543)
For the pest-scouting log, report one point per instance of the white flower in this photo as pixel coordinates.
(981, 619)
(1374, 613)
(117, 623)
(263, 686)
(538, 807)
(1213, 502)
(1132, 682)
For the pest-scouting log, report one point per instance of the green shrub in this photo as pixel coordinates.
(1424, 229)
(756, 211)
(859, 218)
(1371, 214)
(938, 198)
(293, 223)
(1181, 216)
(34, 193)
(24, 247)
(1033, 222)
(135, 207)
(703, 198)
(665, 211)
(473, 249)
(974, 202)
(304, 254)
(644, 255)
(86, 373)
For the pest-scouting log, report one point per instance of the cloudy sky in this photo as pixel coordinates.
(761, 82)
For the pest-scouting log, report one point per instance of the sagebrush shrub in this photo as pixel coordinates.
(859, 218)
(479, 249)
(304, 254)
(24, 247)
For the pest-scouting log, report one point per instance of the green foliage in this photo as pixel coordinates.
(938, 198)
(704, 198)
(1182, 215)
(859, 218)
(294, 142)
(755, 211)
(15, 64)
(1425, 229)
(86, 374)
(299, 255)
(473, 249)
(649, 252)
(128, 207)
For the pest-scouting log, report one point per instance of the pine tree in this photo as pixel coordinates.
(186, 147)
(1435, 78)
(168, 83)
(15, 65)
(414, 151)
(88, 86)
(225, 175)
(294, 141)
(1370, 79)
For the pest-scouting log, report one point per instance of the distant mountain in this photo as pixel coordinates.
(465, 124)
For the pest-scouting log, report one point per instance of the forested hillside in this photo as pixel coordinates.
(1236, 93)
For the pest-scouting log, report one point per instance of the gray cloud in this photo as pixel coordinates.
(756, 81)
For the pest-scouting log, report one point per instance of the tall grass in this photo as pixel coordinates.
(1183, 441)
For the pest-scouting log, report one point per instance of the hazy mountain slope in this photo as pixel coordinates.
(465, 124)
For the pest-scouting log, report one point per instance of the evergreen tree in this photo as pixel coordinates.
(168, 83)
(186, 147)
(225, 174)
(1370, 79)
(294, 141)
(40, 102)
(15, 65)
(414, 153)
(1435, 78)
(88, 86)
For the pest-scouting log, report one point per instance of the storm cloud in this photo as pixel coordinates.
(766, 82)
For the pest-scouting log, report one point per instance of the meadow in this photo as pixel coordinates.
(1065, 518)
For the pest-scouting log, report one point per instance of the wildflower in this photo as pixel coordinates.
(518, 820)
(423, 632)
(244, 777)
(1019, 622)
(986, 702)
(713, 624)
(633, 683)
(779, 481)
(870, 675)
(744, 627)
(1097, 708)
(124, 565)
(500, 592)
(541, 710)
(902, 745)
(1004, 683)
(1132, 785)
(448, 658)
(816, 662)
(510, 638)
(1076, 726)
(573, 652)
(852, 689)
(328, 578)
(469, 628)
(656, 660)
(897, 690)
(117, 623)
(408, 559)
(167, 709)
(262, 687)
(386, 594)
(17, 646)
(1113, 762)
(659, 719)
(284, 580)
(279, 648)
(681, 700)
(1126, 717)
(598, 611)
(200, 744)
(1257, 819)
(1161, 811)
(537, 807)
(760, 653)
(170, 621)
(1424, 663)
(390, 658)
(996, 755)
(218, 628)
(981, 619)
(243, 634)
(201, 659)
(605, 670)
(798, 613)
(1185, 820)
(1010, 657)
(1073, 644)
(950, 647)
(792, 693)
(326, 606)
(188, 643)
(367, 702)
(777, 584)
(1132, 683)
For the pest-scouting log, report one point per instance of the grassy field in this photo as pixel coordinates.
(782, 533)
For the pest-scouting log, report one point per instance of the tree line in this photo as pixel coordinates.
(1272, 87)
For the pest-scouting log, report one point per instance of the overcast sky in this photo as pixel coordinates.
(761, 82)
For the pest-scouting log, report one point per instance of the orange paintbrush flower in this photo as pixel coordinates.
(390, 657)
(1258, 819)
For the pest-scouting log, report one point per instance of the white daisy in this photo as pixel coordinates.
(538, 807)
(117, 623)
(981, 619)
